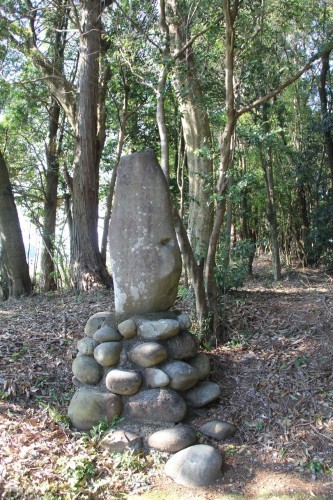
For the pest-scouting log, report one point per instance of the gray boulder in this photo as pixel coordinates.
(196, 466)
(173, 439)
(202, 394)
(86, 346)
(107, 334)
(145, 258)
(202, 363)
(218, 429)
(94, 322)
(184, 321)
(88, 407)
(127, 328)
(182, 346)
(154, 377)
(148, 354)
(108, 353)
(154, 405)
(123, 382)
(158, 330)
(182, 376)
(87, 370)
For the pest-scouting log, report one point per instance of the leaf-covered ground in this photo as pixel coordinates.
(277, 387)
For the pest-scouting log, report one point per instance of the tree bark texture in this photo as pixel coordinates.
(13, 252)
(196, 130)
(88, 268)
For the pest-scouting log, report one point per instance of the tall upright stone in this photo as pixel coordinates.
(145, 258)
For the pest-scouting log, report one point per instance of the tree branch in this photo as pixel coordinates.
(292, 79)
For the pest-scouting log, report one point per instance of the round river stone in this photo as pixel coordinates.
(154, 377)
(106, 334)
(127, 328)
(182, 375)
(202, 394)
(202, 363)
(123, 382)
(87, 370)
(88, 407)
(86, 346)
(196, 466)
(148, 354)
(108, 353)
(172, 440)
(158, 330)
(155, 405)
(94, 322)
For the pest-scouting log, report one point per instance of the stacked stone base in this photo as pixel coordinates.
(145, 368)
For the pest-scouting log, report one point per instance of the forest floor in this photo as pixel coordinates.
(275, 374)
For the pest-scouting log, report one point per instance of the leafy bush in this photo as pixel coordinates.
(231, 273)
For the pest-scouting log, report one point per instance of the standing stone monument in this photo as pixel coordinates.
(141, 362)
(145, 258)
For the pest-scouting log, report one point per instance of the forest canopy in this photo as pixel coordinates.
(234, 96)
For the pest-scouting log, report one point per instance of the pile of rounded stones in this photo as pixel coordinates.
(147, 369)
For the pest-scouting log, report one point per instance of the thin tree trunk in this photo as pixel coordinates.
(48, 278)
(325, 113)
(121, 140)
(267, 166)
(226, 157)
(13, 253)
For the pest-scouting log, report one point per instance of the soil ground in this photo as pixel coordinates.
(275, 373)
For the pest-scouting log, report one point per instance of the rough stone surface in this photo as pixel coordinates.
(148, 354)
(196, 466)
(154, 405)
(108, 353)
(184, 321)
(202, 363)
(123, 382)
(87, 370)
(172, 440)
(127, 328)
(86, 346)
(94, 322)
(158, 330)
(145, 258)
(88, 407)
(154, 377)
(202, 394)
(182, 375)
(182, 346)
(120, 440)
(107, 334)
(218, 429)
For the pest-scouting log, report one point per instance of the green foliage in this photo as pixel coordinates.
(233, 274)
(78, 471)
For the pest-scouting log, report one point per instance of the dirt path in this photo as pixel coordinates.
(276, 379)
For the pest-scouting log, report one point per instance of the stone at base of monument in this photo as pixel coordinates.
(142, 370)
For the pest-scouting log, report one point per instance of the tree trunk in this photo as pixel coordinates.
(88, 268)
(48, 278)
(267, 166)
(325, 113)
(13, 253)
(225, 159)
(196, 130)
(121, 140)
